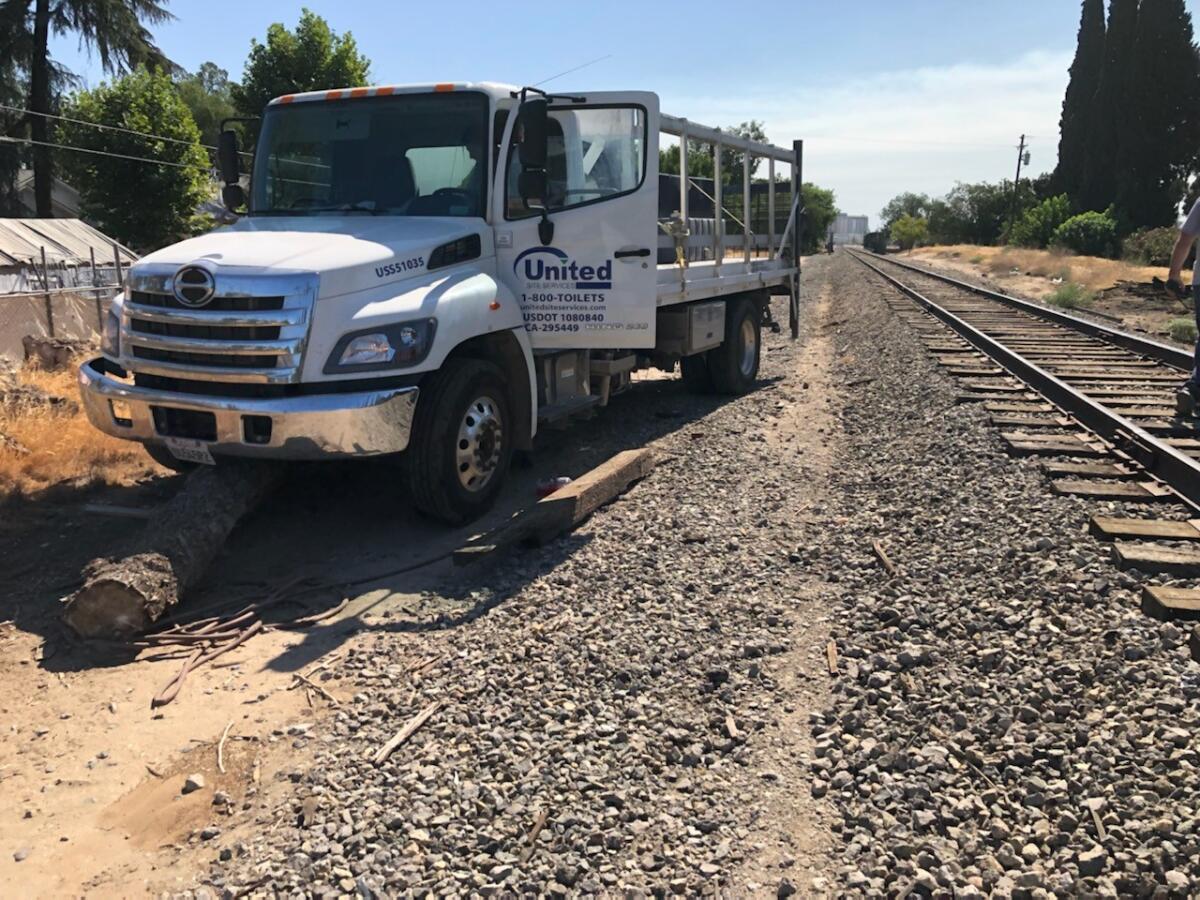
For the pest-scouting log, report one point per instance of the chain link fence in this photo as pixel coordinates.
(76, 313)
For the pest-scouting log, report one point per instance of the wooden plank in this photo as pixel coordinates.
(565, 508)
(1000, 388)
(1056, 469)
(1153, 559)
(1170, 603)
(974, 372)
(1135, 491)
(1111, 528)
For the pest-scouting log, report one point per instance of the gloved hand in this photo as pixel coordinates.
(1176, 289)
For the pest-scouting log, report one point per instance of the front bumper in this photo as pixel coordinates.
(308, 427)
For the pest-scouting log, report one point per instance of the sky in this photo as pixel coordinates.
(888, 97)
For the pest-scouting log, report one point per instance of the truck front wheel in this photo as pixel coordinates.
(734, 365)
(461, 442)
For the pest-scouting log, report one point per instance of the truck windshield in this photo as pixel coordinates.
(403, 155)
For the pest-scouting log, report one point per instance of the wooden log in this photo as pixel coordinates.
(122, 596)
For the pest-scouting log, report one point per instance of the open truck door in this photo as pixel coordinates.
(577, 218)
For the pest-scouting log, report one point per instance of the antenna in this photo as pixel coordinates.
(576, 69)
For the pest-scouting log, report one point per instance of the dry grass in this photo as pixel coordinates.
(1093, 273)
(63, 446)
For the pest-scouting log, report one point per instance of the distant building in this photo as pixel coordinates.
(847, 229)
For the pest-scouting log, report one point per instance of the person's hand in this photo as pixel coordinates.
(1176, 289)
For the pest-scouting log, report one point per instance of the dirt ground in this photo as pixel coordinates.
(91, 777)
(1124, 293)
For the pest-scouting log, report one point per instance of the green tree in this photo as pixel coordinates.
(906, 204)
(820, 209)
(1162, 117)
(114, 29)
(1036, 227)
(311, 58)
(700, 156)
(908, 231)
(1076, 122)
(143, 204)
(208, 93)
(1109, 116)
(1088, 234)
(975, 213)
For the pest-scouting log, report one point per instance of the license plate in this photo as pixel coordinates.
(189, 450)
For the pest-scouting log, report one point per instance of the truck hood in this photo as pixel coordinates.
(350, 253)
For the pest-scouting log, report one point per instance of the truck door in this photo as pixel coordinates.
(594, 284)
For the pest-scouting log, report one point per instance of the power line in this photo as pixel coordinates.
(576, 69)
(147, 134)
(157, 162)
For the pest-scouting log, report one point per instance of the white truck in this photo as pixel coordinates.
(431, 272)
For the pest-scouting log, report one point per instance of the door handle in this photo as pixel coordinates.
(625, 254)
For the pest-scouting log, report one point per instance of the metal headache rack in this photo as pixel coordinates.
(689, 278)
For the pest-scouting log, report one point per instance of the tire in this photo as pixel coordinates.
(461, 442)
(734, 365)
(696, 377)
(164, 458)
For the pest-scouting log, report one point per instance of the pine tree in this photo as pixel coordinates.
(1109, 114)
(1075, 124)
(1162, 124)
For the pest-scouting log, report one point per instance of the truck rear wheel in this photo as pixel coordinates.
(696, 377)
(461, 442)
(734, 365)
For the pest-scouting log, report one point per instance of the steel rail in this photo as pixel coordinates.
(1179, 471)
(1175, 357)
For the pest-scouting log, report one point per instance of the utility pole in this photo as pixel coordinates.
(1022, 158)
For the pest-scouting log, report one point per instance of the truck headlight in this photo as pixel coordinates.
(387, 347)
(110, 337)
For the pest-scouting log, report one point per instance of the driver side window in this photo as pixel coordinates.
(592, 155)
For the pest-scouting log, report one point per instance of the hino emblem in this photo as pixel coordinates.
(194, 286)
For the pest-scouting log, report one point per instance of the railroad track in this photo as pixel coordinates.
(1096, 403)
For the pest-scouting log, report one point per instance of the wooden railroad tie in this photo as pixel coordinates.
(1110, 528)
(1135, 491)
(1166, 603)
(1154, 560)
(564, 509)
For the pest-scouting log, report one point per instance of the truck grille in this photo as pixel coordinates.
(250, 331)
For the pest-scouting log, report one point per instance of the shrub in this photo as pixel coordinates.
(1070, 295)
(1151, 246)
(1182, 330)
(909, 231)
(975, 260)
(1037, 226)
(1088, 234)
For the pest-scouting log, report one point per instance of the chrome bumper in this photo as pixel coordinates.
(309, 427)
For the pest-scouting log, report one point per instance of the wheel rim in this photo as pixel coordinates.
(480, 443)
(749, 341)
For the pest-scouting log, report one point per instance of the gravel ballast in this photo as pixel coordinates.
(619, 712)
(1008, 723)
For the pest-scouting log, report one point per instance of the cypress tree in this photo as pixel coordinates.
(1109, 113)
(1075, 124)
(1162, 109)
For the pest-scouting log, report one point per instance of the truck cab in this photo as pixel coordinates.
(426, 271)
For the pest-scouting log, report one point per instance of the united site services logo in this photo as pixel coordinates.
(549, 264)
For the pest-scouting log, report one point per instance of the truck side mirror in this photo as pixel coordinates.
(227, 157)
(531, 119)
(232, 194)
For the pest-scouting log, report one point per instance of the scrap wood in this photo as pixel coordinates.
(731, 728)
(406, 732)
(831, 655)
(308, 683)
(221, 748)
(883, 558)
(538, 824)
